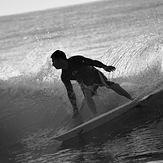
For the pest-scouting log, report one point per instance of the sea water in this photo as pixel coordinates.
(34, 106)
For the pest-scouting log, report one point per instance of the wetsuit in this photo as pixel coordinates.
(83, 71)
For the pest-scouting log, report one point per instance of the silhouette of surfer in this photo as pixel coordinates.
(83, 70)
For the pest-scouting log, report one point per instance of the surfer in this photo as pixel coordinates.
(83, 70)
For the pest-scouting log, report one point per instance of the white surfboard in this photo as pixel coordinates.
(97, 121)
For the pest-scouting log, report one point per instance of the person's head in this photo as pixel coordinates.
(59, 60)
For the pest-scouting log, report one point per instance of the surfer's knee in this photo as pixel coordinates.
(105, 82)
(94, 90)
(88, 93)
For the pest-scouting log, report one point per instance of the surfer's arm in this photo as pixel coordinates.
(96, 63)
(70, 92)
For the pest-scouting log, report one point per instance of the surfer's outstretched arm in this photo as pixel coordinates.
(96, 63)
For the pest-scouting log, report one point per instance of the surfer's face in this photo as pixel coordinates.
(60, 63)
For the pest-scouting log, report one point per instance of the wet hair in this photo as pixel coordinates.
(58, 54)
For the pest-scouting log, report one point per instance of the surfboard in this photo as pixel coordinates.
(97, 121)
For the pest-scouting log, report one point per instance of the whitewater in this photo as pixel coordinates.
(34, 106)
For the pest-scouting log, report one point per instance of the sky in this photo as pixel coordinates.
(9, 7)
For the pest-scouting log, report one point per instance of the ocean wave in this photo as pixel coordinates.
(138, 60)
(38, 98)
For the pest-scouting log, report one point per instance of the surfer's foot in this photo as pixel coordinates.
(75, 113)
(131, 98)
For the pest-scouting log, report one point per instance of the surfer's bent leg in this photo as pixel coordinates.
(88, 93)
(118, 89)
(114, 86)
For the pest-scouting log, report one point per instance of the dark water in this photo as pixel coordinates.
(136, 136)
(133, 137)
(34, 107)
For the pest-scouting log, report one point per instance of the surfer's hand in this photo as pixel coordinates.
(109, 68)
